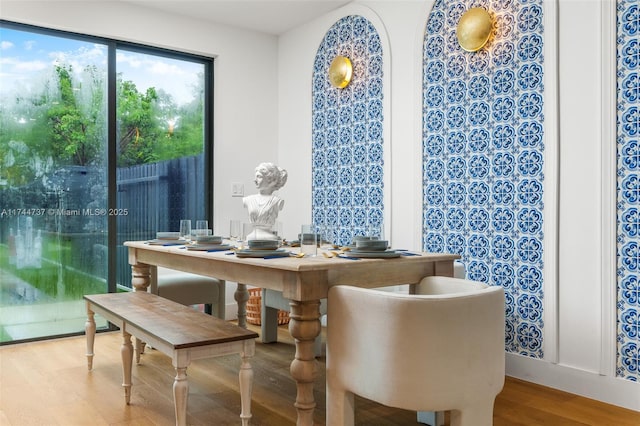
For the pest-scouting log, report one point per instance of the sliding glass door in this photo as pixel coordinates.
(161, 164)
(100, 142)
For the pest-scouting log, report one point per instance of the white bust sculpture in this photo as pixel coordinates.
(263, 207)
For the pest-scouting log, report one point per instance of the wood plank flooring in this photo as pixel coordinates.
(47, 383)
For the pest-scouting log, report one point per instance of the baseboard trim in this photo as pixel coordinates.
(610, 390)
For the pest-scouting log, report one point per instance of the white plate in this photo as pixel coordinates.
(262, 253)
(209, 247)
(166, 242)
(374, 254)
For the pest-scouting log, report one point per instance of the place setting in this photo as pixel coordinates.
(202, 238)
(208, 243)
(198, 239)
(370, 248)
(263, 249)
(166, 239)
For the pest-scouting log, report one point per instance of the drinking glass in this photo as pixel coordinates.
(234, 229)
(376, 231)
(185, 229)
(330, 235)
(247, 229)
(202, 227)
(308, 240)
(277, 229)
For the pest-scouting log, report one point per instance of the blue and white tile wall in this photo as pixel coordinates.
(483, 156)
(628, 189)
(347, 128)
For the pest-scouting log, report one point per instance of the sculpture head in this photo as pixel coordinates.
(270, 177)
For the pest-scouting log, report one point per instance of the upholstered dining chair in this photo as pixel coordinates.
(439, 351)
(272, 301)
(192, 289)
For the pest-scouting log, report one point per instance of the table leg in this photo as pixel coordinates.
(90, 331)
(140, 281)
(127, 359)
(180, 395)
(304, 326)
(140, 276)
(242, 297)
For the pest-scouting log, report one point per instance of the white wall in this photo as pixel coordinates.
(575, 341)
(580, 196)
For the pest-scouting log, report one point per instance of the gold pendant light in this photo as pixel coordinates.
(474, 29)
(340, 72)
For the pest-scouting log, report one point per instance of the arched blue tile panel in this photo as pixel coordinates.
(347, 126)
(628, 194)
(483, 156)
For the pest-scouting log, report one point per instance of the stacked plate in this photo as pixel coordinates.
(208, 239)
(167, 235)
(166, 238)
(367, 248)
(262, 248)
(208, 243)
(263, 244)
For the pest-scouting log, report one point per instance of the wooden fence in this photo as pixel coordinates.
(155, 197)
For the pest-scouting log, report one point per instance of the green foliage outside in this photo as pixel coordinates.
(64, 123)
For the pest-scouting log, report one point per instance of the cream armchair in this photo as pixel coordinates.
(440, 351)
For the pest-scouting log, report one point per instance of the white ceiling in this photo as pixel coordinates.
(271, 17)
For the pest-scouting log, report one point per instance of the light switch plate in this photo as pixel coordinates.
(237, 189)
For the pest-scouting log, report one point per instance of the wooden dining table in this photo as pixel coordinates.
(304, 281)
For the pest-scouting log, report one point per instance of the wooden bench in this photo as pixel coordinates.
(178, 331)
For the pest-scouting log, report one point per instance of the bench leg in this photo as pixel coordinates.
(127, 359)
(246, 388)
(140, 345)
(180, 395)
(90, 331)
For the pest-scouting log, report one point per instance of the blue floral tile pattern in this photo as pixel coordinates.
(347, 127)
(628, 190)
(483, 156)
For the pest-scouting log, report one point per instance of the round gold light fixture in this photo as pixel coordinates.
(340, 72)
(474, 29)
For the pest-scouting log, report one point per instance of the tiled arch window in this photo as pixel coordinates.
(628, 190)
(483, 156)
(347, 152)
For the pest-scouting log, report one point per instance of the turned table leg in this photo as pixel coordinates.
(140, 276)
(242, 297)
(140, 281)
(127, 359)
(90, 331)
(304, 326)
